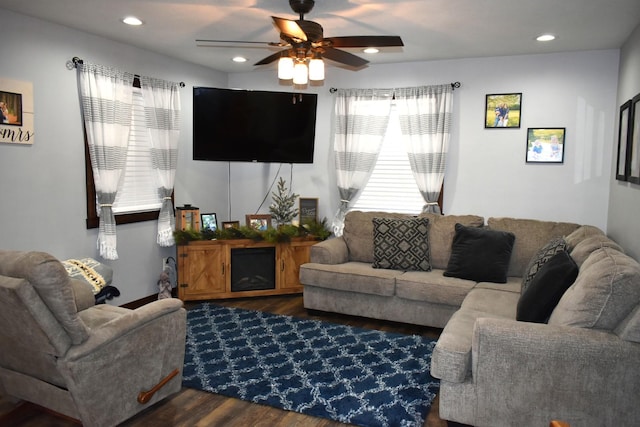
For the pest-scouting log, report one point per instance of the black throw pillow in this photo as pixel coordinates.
(546, 288)
(480, 254)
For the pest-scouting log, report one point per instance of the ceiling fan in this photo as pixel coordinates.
(305, 45)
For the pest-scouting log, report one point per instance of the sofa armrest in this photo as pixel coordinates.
(331, 251)
(519, 366)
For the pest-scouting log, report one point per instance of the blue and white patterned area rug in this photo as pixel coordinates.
(352, 375)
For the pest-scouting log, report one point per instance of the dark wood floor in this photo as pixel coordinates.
(196, 408)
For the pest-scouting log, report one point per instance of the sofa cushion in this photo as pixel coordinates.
(480, 254)
(546, 288)
(585, 247)
(357, 277)
(581, 233)
(441, 231)
(401, 243)
(433, 287)
(358, 233)
(531, 235)
(605, 292)
(557, 244)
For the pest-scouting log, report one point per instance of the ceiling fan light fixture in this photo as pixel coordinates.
(239, 59)
(316, 69)
(371, 50)
(300, 73)
(285, 68)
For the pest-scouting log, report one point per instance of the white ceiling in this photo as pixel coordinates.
(430, 29)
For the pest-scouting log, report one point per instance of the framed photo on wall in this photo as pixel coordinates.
(502, 110)
(545, 145)
(624, 140)
(634, 141)
(259, 222)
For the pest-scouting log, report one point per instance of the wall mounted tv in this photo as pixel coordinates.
(253, 126)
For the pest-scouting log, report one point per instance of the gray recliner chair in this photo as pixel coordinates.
(99, 364)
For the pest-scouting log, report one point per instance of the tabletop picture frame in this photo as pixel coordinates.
(503, 110)
(545, 145)
(260, 222)
(230, 224)
(209, 221)
(308, 210)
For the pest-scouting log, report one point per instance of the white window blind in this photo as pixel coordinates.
(138, 188)
(391, 186)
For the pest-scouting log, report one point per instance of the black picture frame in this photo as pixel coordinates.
(545, 145)
(633, 146)
(499, 105)
(624, 141)
(209, 221)
(231, 224)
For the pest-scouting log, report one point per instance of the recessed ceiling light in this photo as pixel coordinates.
(131, 20)
(371, 50)
(239, 59)
(546, 37)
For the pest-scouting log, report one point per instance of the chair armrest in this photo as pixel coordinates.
(123, 357)
(331, 251)
(123, 326)
(517, 366)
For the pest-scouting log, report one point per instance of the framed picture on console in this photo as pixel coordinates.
(308, 210)
(259, 222)
(209, 221)
(502, 110)
(231, 224)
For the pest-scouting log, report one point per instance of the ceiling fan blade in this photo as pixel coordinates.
(269, 59)
(344, 57)
(289, 28)
(365, 41)
(205, 41)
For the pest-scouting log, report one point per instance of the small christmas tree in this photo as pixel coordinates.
(282, 210)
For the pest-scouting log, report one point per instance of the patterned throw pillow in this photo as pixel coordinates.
(544, 254)
(401, 244)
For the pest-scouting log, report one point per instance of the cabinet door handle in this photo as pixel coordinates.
(282, 266)
(223, 268)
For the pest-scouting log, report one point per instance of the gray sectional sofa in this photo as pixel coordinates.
(577, 362)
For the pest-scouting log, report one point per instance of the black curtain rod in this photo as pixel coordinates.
(75, 61)
(454, 85)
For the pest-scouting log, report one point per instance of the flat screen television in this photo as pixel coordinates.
(253, 126)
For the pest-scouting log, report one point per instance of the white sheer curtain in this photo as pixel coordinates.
(425, 121)
(361, 117)
(162, 114)
(106, 98)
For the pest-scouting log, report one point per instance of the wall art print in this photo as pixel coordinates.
(502, 110)
(16, 112)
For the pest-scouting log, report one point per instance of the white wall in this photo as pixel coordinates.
(486, 171)
(42, 186)
(624, 204)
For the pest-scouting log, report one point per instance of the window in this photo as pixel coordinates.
(391, 186)
(137, 199)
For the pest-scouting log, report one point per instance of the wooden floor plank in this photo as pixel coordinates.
(190, 408)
